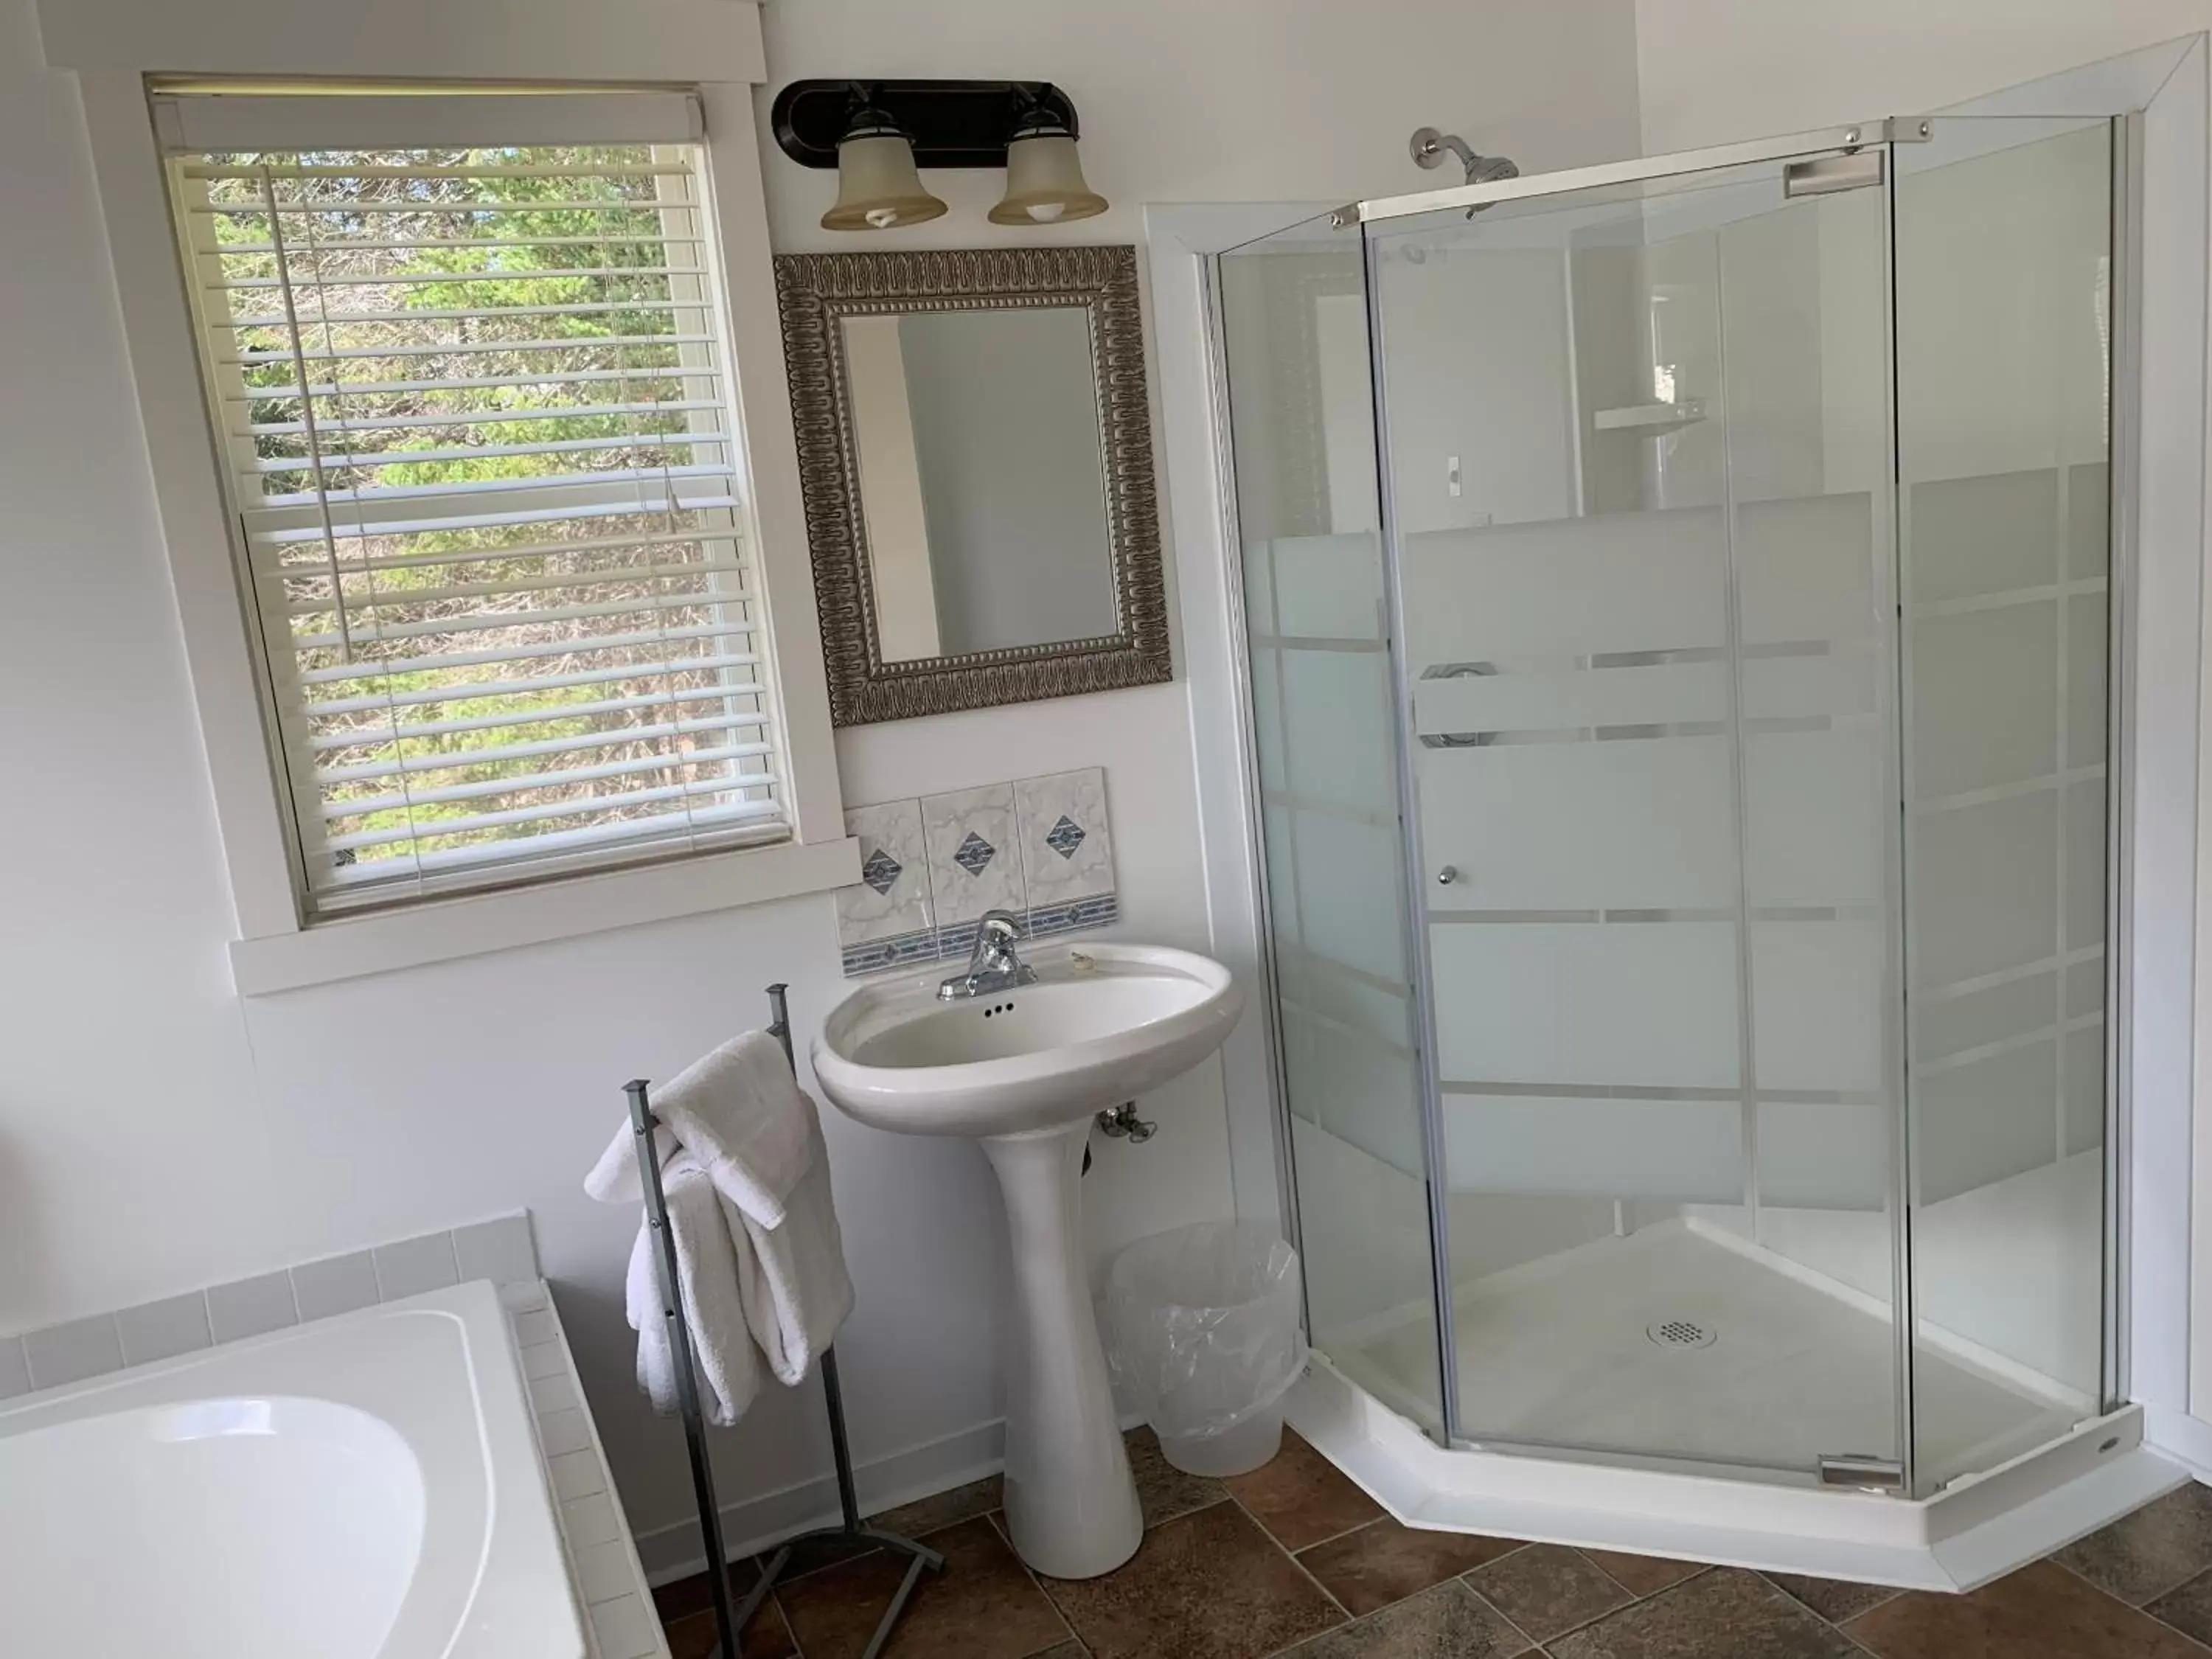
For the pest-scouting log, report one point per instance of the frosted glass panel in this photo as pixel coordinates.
(1594, 586)
(1983, 898)
(1337, 730)
(1976, 536)
(2004, 326)
(1981, 1120)
(1580, 826)
(1327, 588)
(1294, 319)
(1985, 686)
(1948, 1022)
(1817, 1010)
(1348, 901)
(1813, 811)
(1803, 569)
(1691, 1150)
(1645, 1003)
(1476, 702)
(1825, 1155)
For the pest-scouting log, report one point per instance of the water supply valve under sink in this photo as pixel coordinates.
(1119, 1123)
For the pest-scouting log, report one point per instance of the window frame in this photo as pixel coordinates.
(709, 49)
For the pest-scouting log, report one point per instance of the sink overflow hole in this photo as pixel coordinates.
(1003, 1008)
(1679, 1334)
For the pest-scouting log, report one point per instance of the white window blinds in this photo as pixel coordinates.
(475, 408)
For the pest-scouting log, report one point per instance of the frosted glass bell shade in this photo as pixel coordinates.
(878, 188)
(1045, 183)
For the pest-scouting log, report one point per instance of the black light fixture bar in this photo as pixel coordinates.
(953, 124)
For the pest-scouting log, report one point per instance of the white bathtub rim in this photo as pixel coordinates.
(522, 1602)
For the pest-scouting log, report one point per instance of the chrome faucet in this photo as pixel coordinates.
(994, 966)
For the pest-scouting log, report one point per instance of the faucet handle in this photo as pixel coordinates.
(999, 927)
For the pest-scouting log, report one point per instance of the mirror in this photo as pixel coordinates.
(975, 452)
(983, 480)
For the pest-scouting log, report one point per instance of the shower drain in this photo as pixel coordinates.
(1679, 1334)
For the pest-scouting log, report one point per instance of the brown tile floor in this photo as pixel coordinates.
(1294, 1560)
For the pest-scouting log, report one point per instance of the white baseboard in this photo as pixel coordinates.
(2184, 1439)
(752, 1524)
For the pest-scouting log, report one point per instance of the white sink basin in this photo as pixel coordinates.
(1023, 1071)
(1103, 1023)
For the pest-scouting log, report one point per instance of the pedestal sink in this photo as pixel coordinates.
(1023, 1072)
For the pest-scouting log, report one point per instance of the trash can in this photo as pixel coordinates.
(1202, 1334)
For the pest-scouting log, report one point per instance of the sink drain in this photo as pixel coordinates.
(1679, 1334)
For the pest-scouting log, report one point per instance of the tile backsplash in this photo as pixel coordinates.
(931, 868)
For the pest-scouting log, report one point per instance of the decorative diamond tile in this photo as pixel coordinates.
(881, 871)
(1065, 836)
(1067, 846)
(974, 853)
(886, 918)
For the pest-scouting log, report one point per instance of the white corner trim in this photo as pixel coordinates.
(1179, 241)
(737, 202)
(472, 924)
(518, 40)
(2162, 1155)
(2183, 1439)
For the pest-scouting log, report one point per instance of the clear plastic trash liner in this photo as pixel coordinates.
(1202, 1335)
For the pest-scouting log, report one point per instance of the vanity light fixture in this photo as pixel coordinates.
(876, 133)
(878, 188)
(1044, 178)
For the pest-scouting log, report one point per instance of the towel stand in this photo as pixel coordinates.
(730, 1622)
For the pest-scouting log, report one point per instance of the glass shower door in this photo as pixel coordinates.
(1637, 487)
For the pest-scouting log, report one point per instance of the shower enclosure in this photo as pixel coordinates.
(1678, 600)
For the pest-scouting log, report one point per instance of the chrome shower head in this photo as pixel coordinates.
(1428, 147)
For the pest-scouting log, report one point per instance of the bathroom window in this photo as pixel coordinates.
(472, 414)
(470, 377)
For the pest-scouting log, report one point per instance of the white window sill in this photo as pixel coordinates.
(473, 924)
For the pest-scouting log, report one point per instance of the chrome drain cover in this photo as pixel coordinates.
(1679, 1334)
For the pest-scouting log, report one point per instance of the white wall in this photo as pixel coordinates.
(1711, 72)
(156, 1134)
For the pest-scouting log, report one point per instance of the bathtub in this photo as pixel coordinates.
(364, 1487)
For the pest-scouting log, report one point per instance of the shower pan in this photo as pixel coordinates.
(1680, 604)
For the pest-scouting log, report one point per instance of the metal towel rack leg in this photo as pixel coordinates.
(730, 1621)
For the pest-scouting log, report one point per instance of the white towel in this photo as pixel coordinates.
(795, 1289)
(712, 1283)
(742, 1134)
(741, 1114)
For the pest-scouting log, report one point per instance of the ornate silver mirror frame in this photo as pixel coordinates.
(815, 292)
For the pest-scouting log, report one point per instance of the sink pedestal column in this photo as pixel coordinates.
(1070, 1505)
